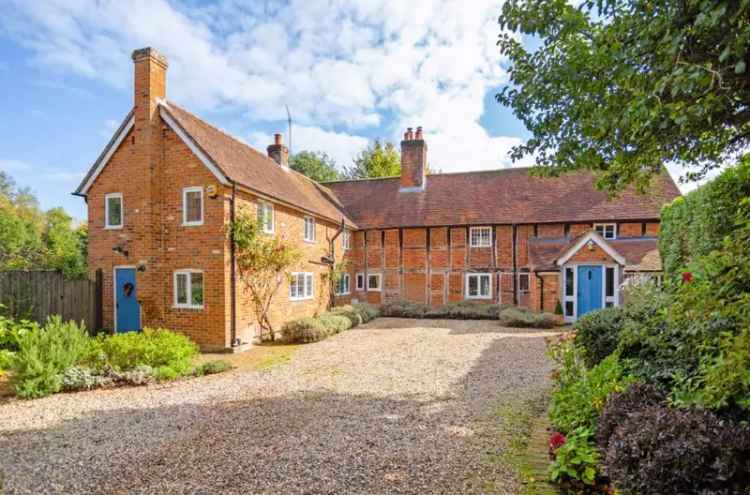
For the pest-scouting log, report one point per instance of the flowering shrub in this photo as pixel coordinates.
(556, 440)
(576, 459)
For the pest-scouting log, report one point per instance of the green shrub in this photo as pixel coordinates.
(579, 395)
(81, 378)
(158, 348)
(463, 310)
(576, 459)
(523, 318)
(348, 312)
(6, 358)
(404, 309)
(11, 329)
(306, 330)
(597, 333)
(212, 368)
(44, 354)
(367, 312)
(335, 322)
(661, 450)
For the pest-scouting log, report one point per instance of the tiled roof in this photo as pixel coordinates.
(503, 196)
(641, 253)
(254, 170)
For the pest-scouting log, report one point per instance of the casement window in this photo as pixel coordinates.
(478, 286)
(480, 236)
(373, 282)
(606, 230)
(192, 206)
(309, 229)
(301, 286)
(569, 293)
(346, 239)
(523, 282)
(265, 217)
(188, 289)
(342, 285)
(113, 217)
(360, 281)
(609, 286)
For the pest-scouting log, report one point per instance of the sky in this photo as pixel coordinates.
(350, 72)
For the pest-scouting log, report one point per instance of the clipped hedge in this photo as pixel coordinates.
(694, 225)
(313, 329)
(463, 310)
(523, 318)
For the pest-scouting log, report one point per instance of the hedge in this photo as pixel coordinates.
(313, 329)
(463, 310)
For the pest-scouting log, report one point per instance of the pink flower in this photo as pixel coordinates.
(687, 277)
(556, 441)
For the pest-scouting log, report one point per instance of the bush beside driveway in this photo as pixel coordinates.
(394, 406)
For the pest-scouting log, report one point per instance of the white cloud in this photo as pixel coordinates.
(13, 166)
(677, 172)
(345, 68)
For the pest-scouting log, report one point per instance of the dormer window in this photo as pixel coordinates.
(606, 230)
(113, 211)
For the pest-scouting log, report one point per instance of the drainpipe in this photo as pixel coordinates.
(332, 249)
(515, 267)
(234, 341)
(541, 291)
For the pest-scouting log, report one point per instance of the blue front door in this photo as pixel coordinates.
(589, 289)
(127, 309)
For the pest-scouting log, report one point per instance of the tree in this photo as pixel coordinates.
(65, 247)
(377, 160)
(263, 262)
(316, 165)
(622, 87)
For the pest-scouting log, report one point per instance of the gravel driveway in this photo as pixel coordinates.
(394, 406)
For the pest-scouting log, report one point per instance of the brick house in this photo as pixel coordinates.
(164, 189)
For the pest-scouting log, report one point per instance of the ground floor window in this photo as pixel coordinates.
(478, 286)
(342, 286)
(373, 281)
(301, 286)
(188, 289)
(360, 281)
(523, 282)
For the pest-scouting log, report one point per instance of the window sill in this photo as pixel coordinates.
(310, 241)
(342, 294)
(192, 224)
(481, 246)
(374, 290)
(479, 297)
(115, 227)
(296, 299)
(193, 308)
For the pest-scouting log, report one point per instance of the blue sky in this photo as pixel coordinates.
(350, 71)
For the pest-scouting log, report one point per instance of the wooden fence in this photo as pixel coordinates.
(35, 295)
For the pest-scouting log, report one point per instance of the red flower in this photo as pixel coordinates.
(687, 277)
(556, 441)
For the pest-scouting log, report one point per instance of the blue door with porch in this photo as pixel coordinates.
(589, 288)
(127, 309)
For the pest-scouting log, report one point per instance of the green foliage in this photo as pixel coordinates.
(523, 318)
(168, 353)
(558, 308)
(263, 261)
(696, 224)
(44, 354)
(461, 310)
(581, 394)
(576, 459)
(597, 333)
(10, 331)
(212, 368)
(6, 359)
(623, 87)
(33, 239)
(339, 319)
(378, 160)
(316, 165)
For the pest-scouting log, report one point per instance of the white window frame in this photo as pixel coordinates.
(379, 276)
(479, 285)
(528, 282)
(308, 286)
(189, 287)
(107, 197)
(346, 239)
(185, 191)
(603, 233)
(480, 244)
(265, 206)
(308, 220)
(360, 278)
(348, 291)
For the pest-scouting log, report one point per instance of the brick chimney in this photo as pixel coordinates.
(278, 152)
(413, 161)
(150, 84)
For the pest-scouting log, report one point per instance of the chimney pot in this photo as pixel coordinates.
(409, 134)
(278, 139)
(419, 133)
(277, 151)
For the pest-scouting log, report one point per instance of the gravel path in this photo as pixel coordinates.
(395, 406)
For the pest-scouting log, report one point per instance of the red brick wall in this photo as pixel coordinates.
(629, 229)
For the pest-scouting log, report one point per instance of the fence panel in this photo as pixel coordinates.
(35, 295)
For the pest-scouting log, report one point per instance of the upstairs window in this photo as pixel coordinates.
(113, 211)
(309, 229)
(265, 217)
(301, 286)
(606, 230)
(188, 289)
(346, 239)
(192, 206)
(480, 237)
(342, 286)
(478, 286)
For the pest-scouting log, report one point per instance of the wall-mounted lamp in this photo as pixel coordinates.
(590, 245)
(119, 249)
